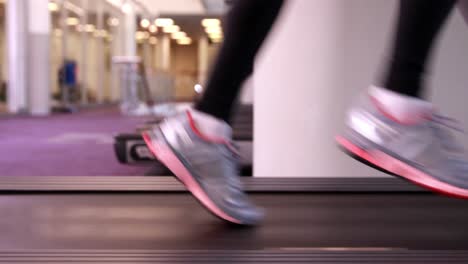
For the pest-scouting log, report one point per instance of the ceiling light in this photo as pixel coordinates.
(113, 21)
(145, 23)
(171, 29)
(127, 8)
(72, 21)
(184, 41)
(213, 30)
(74, 8)
(211, 22)
(53, 7)
(215, 36)
(179, 35)
(153, 29)
(163, 22)
(89, 28)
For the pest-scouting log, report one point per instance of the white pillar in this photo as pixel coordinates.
(117, 32)
(65, 91)
(203, 60)
(130, 29)
(64, 28)
(163, 53)
(16, 37)
(38, 57)
(84, 54)
(130, 49)
(100, 52)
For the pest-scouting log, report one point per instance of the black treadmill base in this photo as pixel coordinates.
(171, 227)
(176, 222)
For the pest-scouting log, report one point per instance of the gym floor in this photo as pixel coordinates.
(79, 144)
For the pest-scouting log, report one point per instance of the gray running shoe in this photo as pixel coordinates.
(207, 166)
(424, 151)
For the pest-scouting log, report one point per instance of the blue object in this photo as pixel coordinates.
(70, 78)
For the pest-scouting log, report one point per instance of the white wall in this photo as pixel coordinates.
(322, 53)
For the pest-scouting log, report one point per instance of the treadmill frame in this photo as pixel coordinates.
(28, 185)
(170, 184)
(237, 256)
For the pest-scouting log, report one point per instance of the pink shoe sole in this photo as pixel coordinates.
(165, 154)
(398, 167)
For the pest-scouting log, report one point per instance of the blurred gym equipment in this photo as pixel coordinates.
(131, 149)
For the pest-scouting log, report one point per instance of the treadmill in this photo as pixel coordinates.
(154, 220)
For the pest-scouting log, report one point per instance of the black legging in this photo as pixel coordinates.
(246, 27)
(249, 22)
(419, 23)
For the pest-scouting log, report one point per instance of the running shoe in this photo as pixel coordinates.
(208, 166)
(423, 151)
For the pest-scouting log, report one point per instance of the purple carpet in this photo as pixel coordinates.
(65, 144)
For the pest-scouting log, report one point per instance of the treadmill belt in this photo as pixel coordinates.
(175, 222)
